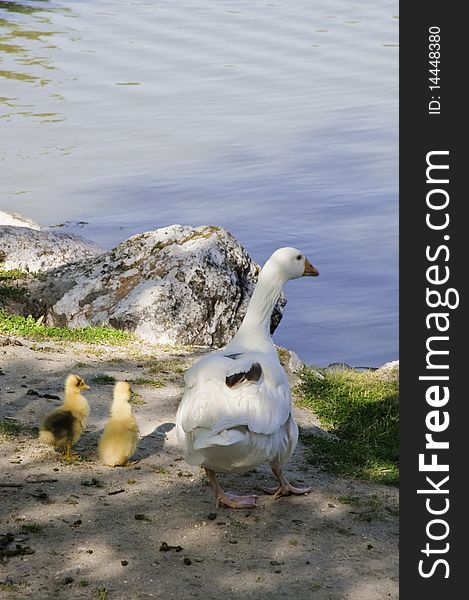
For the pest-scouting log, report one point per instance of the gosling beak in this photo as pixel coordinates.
(85, 387)
(310, 270)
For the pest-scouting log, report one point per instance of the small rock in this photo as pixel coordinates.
(369, 547)
(186, 561)
(124, 563)
(140, 517)
(339, 366)
(212, 516)
(165, 547)
(278, 571)
(295, 364)
(93, 481)
(32, 393)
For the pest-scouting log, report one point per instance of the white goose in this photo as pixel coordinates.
(236, 409)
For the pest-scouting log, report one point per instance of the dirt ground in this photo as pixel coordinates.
(82, 530)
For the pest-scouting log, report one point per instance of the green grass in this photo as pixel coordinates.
(103, 379)
(9, 289)
(12, 275)
(12, 428)
(156, 383)
(31, 328)
(136, 398)
(362, 410)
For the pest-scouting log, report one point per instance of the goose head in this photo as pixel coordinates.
(292, 263)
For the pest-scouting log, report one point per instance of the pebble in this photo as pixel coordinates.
(212, 516)
(186, 561)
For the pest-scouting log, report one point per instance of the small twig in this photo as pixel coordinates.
(11, 485)
(115, 492)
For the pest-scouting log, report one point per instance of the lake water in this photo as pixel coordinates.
(277, 120)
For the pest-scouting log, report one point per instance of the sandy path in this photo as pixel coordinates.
(103, 541)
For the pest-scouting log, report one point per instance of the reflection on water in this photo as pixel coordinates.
(26, 30)
(277, 121)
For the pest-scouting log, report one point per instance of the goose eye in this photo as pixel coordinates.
(299, 257)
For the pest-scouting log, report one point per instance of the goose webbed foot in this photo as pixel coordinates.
(284, 488)
(227, 499)
(233, 501)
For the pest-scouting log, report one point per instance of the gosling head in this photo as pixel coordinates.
(76, 382)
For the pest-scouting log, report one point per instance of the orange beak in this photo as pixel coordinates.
(310, 270)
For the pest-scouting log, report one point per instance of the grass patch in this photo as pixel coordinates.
(9, 289)
(136, 398)
(12, 428)
(31, 328)
(362, 410)
(12, 275)
(102, 594)
(148, 382)
(103, 379)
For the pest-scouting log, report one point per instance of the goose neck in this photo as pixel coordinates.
(256, 323)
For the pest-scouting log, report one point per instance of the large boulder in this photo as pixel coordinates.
(16, 220)
(176, 285)
(36, 251)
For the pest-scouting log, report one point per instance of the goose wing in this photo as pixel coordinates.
(227, 392)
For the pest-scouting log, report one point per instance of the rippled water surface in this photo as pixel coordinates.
(276, 120)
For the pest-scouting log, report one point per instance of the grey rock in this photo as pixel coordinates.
(16, 220)
(35, 251)
(175, 285)
(295, 364)
(389, 371)
(390, 366)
